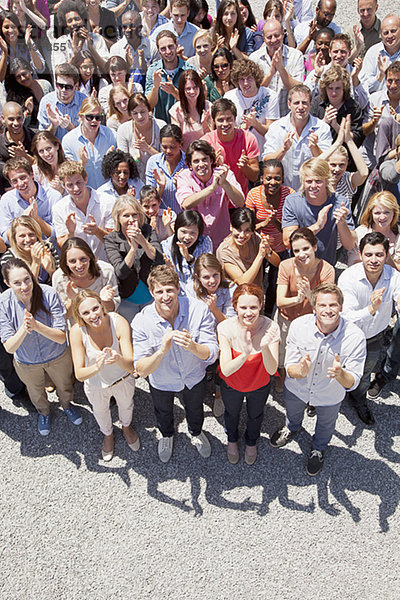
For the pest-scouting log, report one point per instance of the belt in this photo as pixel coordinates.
(120, 379)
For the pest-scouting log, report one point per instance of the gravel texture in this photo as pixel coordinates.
(74, 527)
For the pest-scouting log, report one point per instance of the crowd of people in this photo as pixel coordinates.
(197, 200)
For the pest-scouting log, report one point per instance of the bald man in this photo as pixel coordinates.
(380, 56)
(16, 139)
(304, 33)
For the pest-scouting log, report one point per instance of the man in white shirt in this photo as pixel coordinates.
(283, 66)
(378, 58)
(133, 43)
(325, 355)
(83, 213)
(297, 137)
(369, 290)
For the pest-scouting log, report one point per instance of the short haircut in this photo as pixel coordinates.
(316, 167)
(374, 238)
(247, 288)
(17, 163)
(300, 88)
(164, 34)
(341, 37)
(200, 146)
(180, 3)
(303, 233)
(273, 163)
(326, 288)
(223, 105)
(67, 70)
(162, 275)
(333, 74)
(77, 242)
(173, 131)
(148, 192)
(393, 67)
(243, 215)
(81, 296)
(89, 104)
(69, 168)
(119, 206)
(245, 68)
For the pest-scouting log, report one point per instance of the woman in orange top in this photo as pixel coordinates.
(249, 344)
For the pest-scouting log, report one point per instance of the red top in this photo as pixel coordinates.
(251, 375)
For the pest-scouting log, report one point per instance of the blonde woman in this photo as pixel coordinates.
(26, 243)
(203, 46)
(381, 214)
(90, 141)
(132, 249)
(118, 111)
(102, 354)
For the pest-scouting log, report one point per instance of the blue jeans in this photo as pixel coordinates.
(358, 396)
(193, 399)
(326, 419)
(255, 402)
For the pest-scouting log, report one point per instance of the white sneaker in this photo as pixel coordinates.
(165, 446)
(202, 444)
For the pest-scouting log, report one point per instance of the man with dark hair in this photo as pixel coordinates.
(138, 50)
(304, 33)
(175, 341)
(162, 76)
(325, 355)
(16, 139)
(180, 26)
(209, 189)
(370, 288)
(58, 111)
(238, 147)
(73, 16)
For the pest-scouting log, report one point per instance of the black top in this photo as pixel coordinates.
(349, 107)
(5, 155)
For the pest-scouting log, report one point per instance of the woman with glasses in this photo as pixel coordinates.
(90, 82)
(219, 82)
(118, 111)
(90, 141)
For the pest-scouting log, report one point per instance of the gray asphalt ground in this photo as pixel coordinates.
(74, 527)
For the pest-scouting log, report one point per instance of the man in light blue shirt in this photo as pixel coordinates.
(58, 111)
(325, 356)
(174, 340)
(379, 56)
(180, 26)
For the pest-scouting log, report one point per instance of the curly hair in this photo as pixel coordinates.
(72, 6)
(111, 161)
(333, 74)
(246, 68)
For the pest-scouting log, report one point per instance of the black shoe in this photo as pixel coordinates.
(376, 386)
(281, 437)
(23, 401)
(365, 414)
(310, 410)
(315, 462)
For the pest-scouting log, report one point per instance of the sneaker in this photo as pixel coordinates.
(315, 462)
(376, 386)
(165, 446)
(218, 407)
(282, 437)
(73, 415)
(202, 444)
(44, 424)
(310, 410)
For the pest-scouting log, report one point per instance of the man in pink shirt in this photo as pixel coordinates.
(238, 147)
(209, 189)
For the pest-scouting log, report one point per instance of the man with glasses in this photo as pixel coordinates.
(304, 33)
(162, 76)
(73, 16)
(83, 212)
(137, 50)
(283, 66)
(58, 111)
(90, 141)
(365, 33)
(180, 26)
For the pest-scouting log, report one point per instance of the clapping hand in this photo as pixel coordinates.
(340, 214)
(71, 289)
(90, 228)
(305, 365)
(243, 161)
(336, 369)
(107, 293)
(29, 322)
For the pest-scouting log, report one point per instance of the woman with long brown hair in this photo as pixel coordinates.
(48, 154)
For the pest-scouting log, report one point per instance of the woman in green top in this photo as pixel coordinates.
(219, 82)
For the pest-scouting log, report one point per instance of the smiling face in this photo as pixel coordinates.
(17, 10)
(191, 91)
(24, 77)
(315, 190)
(339, 53)
(13, 119)
(25, 238)
(222, 68)
(47, 151)
(322, 43)
(337, 166)
(128, 217)
(117, 77)
(86, 69)
(373, 259)
(171, 148)
(327, 309)
(10, 32)
(229, 18)
(91, 312)
(248, 86)
(367, 11)
(76, 187)
(248, 310)
(121, 102)
(382, 218)
(21, 283)
(272, 180)
(201, 166)
(151, 10)
(210, 279)
(273, 36)
(120, 177)
(390, 34)
(225, 125)
(202, 47)
(326, 13)
(187, 234)
(393, 85)
(300, 105)
(167, 48)
(73, 21)
(242, 235)
(23, 182)
(151, 207)
(303, 252)
(166, 300)
(78, 263)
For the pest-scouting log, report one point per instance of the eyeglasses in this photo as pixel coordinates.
(64, 86)
(221, 66)
(93, 117)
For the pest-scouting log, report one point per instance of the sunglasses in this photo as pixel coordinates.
(222, 66)
(64, 86)
(93, 117)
